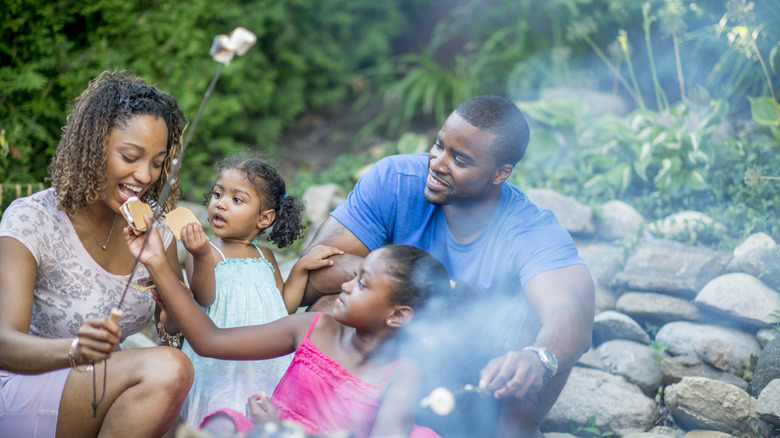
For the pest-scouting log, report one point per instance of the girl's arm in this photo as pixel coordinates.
(200, 263)
(399, 402)
(295, 285)
(241, 343)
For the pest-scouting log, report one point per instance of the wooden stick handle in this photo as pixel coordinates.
(115, 315)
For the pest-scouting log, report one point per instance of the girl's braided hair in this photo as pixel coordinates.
(269, 185)
(78, 168)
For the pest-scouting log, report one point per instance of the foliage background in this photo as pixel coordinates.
(696, 81)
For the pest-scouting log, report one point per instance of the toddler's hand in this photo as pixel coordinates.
(195, 241)
(317, 257)
(260, 410)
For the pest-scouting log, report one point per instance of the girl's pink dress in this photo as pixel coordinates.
(323, 396)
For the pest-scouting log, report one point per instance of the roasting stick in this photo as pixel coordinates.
(223, 49)
(442, 401)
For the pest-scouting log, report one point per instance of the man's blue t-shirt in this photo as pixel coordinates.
(388, 206)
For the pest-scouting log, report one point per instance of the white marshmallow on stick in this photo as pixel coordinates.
(225, 47)
(441, 401)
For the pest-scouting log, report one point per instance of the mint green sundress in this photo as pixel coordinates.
(246, 294)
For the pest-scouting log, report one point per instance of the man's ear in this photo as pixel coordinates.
(502, 173)
(267, 217)
(400, 317)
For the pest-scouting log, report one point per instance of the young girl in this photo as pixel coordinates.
(238, 282)
(346, 374)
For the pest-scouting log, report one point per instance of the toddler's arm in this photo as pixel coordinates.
(295, 285)
(199, 264)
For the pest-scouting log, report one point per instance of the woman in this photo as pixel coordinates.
(64, 265)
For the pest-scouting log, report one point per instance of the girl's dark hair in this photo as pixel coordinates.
(269, 185)
(78, 168)
(414, 275)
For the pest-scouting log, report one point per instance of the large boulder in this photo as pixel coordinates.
(701, 403)
(617, 405)
(672, 268)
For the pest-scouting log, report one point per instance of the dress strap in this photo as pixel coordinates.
(382, 383)
(313, 323)
(258, 249)
(218, 250)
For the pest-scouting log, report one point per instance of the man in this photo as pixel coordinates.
(456, 204)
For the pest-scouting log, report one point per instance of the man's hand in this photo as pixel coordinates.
(516, 374)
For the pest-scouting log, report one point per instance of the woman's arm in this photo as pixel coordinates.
(399, 403)
(27, 354)
(241, 343)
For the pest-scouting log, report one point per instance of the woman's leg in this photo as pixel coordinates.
(145, 390)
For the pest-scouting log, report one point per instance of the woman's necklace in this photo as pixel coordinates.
(108, 239)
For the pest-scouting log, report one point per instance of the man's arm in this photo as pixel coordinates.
(328, 280)
(564, 300)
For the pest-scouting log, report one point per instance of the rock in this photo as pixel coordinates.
(636, 362)
(684, 225)
(741, 296)
(673, 369)
(681, 337)
(618, 220)
(670, 268)
(591, 359)
(756, 241)
(767, 367)
(763, 263)
(319, 201)
(611, 325)
(707, 434)
(656, 309)
(604, 261)
(645, 435)
(764, 336)
(714, 352)
(768, 404)
(572, 215)
(617, 405)
(605, 299)
(701, 403)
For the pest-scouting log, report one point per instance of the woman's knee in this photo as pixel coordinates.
(169, 369)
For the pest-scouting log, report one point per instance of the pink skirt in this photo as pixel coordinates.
(29, 404)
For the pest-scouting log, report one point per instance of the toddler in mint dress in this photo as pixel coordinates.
(238, 283)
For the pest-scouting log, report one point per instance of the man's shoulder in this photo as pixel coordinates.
(409, 164)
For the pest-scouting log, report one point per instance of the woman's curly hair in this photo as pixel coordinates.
(78, 168)
(269, 185)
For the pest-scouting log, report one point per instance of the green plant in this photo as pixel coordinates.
(589, 429)
(660, 349)
(776, 314)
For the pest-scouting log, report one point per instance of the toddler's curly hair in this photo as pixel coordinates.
(78, 168)
(269, 185)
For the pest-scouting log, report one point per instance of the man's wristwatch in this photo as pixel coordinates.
(549, 362)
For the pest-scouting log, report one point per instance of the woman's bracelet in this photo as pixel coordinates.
(74, 347)
(172, 340)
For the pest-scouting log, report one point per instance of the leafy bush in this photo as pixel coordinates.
(309, 54)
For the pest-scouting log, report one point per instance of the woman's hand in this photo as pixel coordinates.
(260, 410)
(98, 338)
